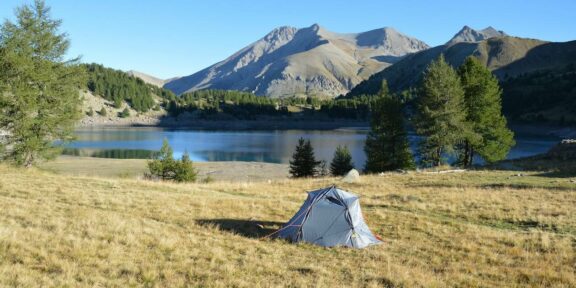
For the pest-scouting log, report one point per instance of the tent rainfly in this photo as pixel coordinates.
(329, 217)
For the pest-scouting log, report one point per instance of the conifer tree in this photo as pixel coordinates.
(103, 112)
(39, 89)
(490, 137)
(342, 161)
(387, 145)
(185, 171)
(303, 163)
(441, 117)
(165, 167)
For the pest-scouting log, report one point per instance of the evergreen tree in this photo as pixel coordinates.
(490, 136)
(387, 145)
(303, 163)
(165, 167)
(39, 89)
(90, 112)
(441, 117)
(342, 161)
(103, 112)
(185, 171)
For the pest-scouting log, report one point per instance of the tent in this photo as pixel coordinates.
(329, 217)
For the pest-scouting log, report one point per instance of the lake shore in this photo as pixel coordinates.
(268, 124)
(232, 171)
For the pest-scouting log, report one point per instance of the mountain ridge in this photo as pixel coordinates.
(307, 61)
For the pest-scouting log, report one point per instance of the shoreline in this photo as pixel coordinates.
(239, 125)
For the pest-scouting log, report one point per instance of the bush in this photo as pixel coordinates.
(125, 113)
(90, 112)
(103, 112)
(165, 167)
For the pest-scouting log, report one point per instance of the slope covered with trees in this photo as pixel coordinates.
(119, 86)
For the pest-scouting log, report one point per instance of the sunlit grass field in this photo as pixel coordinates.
(471, 229)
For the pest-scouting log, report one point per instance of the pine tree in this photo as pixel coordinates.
(490, 136)
(185, 171)
(103, 112)
(342, 161)
(303, 163)
(387, 145)
(165, 167)
(39, 89)
(441, 117)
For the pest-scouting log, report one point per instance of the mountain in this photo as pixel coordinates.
(467, 34)
(147, 78)
(537, 77)
(501, 54)
(309, 61)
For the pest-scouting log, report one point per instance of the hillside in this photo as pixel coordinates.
(309, 61)
(443, 230)
(149, 79)
(501, 55)
(537, 77)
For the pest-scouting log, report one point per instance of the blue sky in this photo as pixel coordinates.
(180, 37)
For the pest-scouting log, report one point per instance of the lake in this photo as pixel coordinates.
(274, 146)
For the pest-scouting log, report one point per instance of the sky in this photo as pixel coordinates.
(179, 37)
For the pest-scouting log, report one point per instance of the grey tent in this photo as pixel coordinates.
(329, 217)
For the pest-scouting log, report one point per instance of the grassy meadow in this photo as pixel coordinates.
(472, 229)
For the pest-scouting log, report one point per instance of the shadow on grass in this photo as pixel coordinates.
(247, 228)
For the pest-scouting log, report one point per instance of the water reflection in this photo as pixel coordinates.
(274, 146)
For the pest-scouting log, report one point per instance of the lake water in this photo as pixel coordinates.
(274, 146)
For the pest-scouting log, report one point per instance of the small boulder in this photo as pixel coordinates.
(352, 176)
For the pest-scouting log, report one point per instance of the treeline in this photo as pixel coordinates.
(118, 86)
(241, 105)
(540, 91)
(245, 105)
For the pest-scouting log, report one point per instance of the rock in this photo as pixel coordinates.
(352, 176)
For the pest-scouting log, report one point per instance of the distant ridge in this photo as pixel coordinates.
(310, 61)
(147, 78)
(467, 34)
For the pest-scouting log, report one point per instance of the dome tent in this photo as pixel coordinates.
(329, 217)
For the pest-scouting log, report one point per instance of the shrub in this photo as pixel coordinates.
(165, 167)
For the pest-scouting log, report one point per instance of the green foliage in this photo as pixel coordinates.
(303, 163)
(342, 161)
(185, 171)
(118, 86)
(530, 95)
(125, 113)
(489, 136)
(103, 112)
(247, 106)
(39, 89)
(387, 147)
(90, 112)
(349, 108)
(165, 167)
(441, 117)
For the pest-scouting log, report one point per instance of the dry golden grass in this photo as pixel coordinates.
(473, 229)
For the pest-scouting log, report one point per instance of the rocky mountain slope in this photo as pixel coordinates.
(506, 56)
(467, 34)
(309, 61)
(147, 78)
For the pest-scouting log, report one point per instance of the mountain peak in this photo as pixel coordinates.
(468, 34)
(306, 61)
